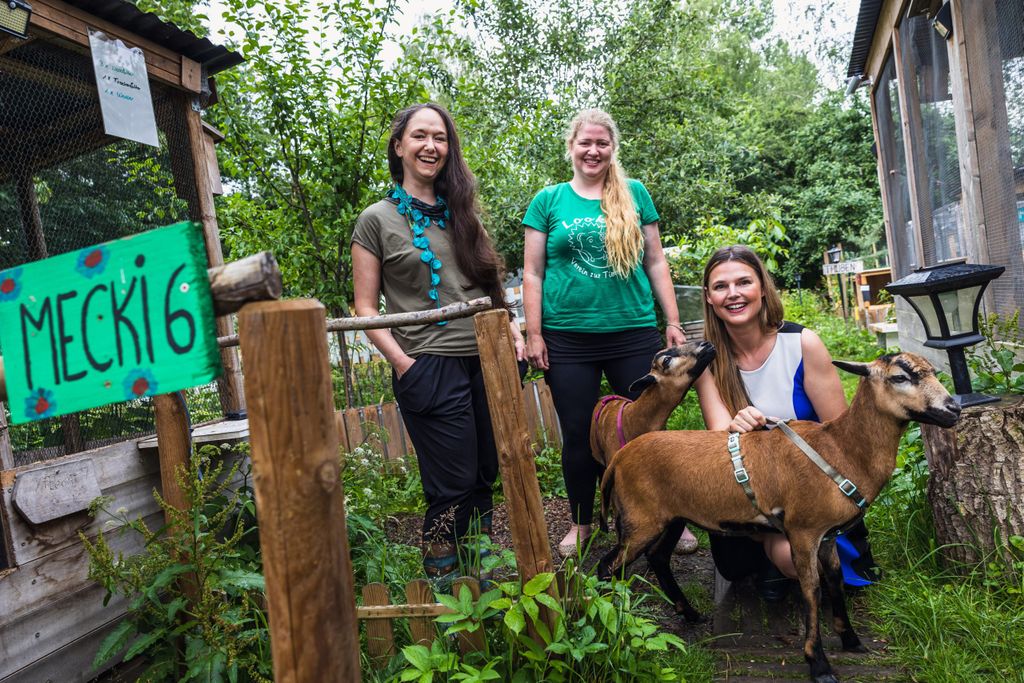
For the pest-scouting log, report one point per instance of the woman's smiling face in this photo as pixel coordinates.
(734, 292)
(423, 147)
(591, 151)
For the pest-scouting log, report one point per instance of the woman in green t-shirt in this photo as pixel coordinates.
(592, 262)
(423, 246)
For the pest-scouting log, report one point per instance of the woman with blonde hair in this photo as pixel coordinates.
(592, 262)
(765, 368)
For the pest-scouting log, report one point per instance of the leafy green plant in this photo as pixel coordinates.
(997, 363)
(593, 631)
(195, 594)
(764, 234)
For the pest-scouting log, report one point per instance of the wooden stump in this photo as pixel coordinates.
(976, 487)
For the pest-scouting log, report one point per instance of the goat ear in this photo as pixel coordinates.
(855, 368)
(643, 383)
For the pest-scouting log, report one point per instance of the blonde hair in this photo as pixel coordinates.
(624, 241)
(727, 374)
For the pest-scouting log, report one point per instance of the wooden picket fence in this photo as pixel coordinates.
(379, 614)
(357, 426)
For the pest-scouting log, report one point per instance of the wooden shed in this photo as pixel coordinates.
(66, 184)
(946, 85)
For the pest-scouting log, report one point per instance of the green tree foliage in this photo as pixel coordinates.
(726, 124)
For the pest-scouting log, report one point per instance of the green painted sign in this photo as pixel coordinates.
(109, 323)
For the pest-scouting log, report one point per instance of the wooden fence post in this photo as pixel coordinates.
(174, 445)
(512, 437)
(314, 636)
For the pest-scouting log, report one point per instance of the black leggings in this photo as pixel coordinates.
(574, 388)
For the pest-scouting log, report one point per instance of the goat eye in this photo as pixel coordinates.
(899, 379)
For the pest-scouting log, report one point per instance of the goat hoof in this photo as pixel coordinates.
(826, 678)
(695, 618)
(856, 647)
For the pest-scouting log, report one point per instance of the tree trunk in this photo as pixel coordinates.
(976, 487)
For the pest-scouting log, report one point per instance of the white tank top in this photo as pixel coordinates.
(777, 387)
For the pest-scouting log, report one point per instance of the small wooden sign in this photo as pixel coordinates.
(842, 267)
(46, 494)
(109, 323)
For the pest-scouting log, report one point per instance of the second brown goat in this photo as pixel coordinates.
(617, 420)
(661, 481)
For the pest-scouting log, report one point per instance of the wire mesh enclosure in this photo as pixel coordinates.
(66, 185)
(948, 103)
(1000, 25)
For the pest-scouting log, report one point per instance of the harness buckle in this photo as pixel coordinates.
(741, 475)
(847, 487)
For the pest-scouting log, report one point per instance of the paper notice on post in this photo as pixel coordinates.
(123, 85)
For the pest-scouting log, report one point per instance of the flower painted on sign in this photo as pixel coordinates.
(139, 382)
(92, 261)
(40, 403)
(10, 284)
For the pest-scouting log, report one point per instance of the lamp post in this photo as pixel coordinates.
(947, 298)
(14, 16)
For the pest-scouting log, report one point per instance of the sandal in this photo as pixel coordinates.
(686, 544)
(576, 538)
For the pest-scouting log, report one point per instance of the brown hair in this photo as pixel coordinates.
(475, 254)
(723, 367)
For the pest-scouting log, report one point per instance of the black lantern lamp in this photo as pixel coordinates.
(947, 299)
(14, 16)
(835, 254)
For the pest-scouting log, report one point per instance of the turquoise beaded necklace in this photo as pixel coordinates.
(419, 216)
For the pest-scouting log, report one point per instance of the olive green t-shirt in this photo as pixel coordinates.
(405, 281)
(581, 291)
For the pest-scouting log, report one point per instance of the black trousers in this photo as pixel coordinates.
(575, 388)
(444, 408)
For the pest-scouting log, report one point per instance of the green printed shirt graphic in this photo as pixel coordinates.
(581, 291)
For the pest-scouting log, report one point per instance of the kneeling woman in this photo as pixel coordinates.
(424, 246)
(765, 366)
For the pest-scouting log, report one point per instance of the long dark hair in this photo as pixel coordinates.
(727, 374)
(475, 254)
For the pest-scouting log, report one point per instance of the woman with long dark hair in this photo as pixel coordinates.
(765, 368)
(424, 246)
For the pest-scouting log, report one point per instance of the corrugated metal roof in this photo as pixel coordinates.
(867, 21)
(147, 25)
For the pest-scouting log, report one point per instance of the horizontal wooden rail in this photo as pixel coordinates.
(461, 309)
(430, 609)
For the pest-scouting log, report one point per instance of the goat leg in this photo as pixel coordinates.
(804, 545)
(833, 575)
(659, 559)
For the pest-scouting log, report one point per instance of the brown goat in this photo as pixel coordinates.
(662, 481)
(617, 420)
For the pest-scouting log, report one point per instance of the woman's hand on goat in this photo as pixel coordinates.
(537, 351)
(747, 420)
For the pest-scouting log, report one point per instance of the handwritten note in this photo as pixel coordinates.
(123, 85)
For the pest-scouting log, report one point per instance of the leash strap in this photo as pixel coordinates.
(848, 488)
(605, 400)
(743, 479)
